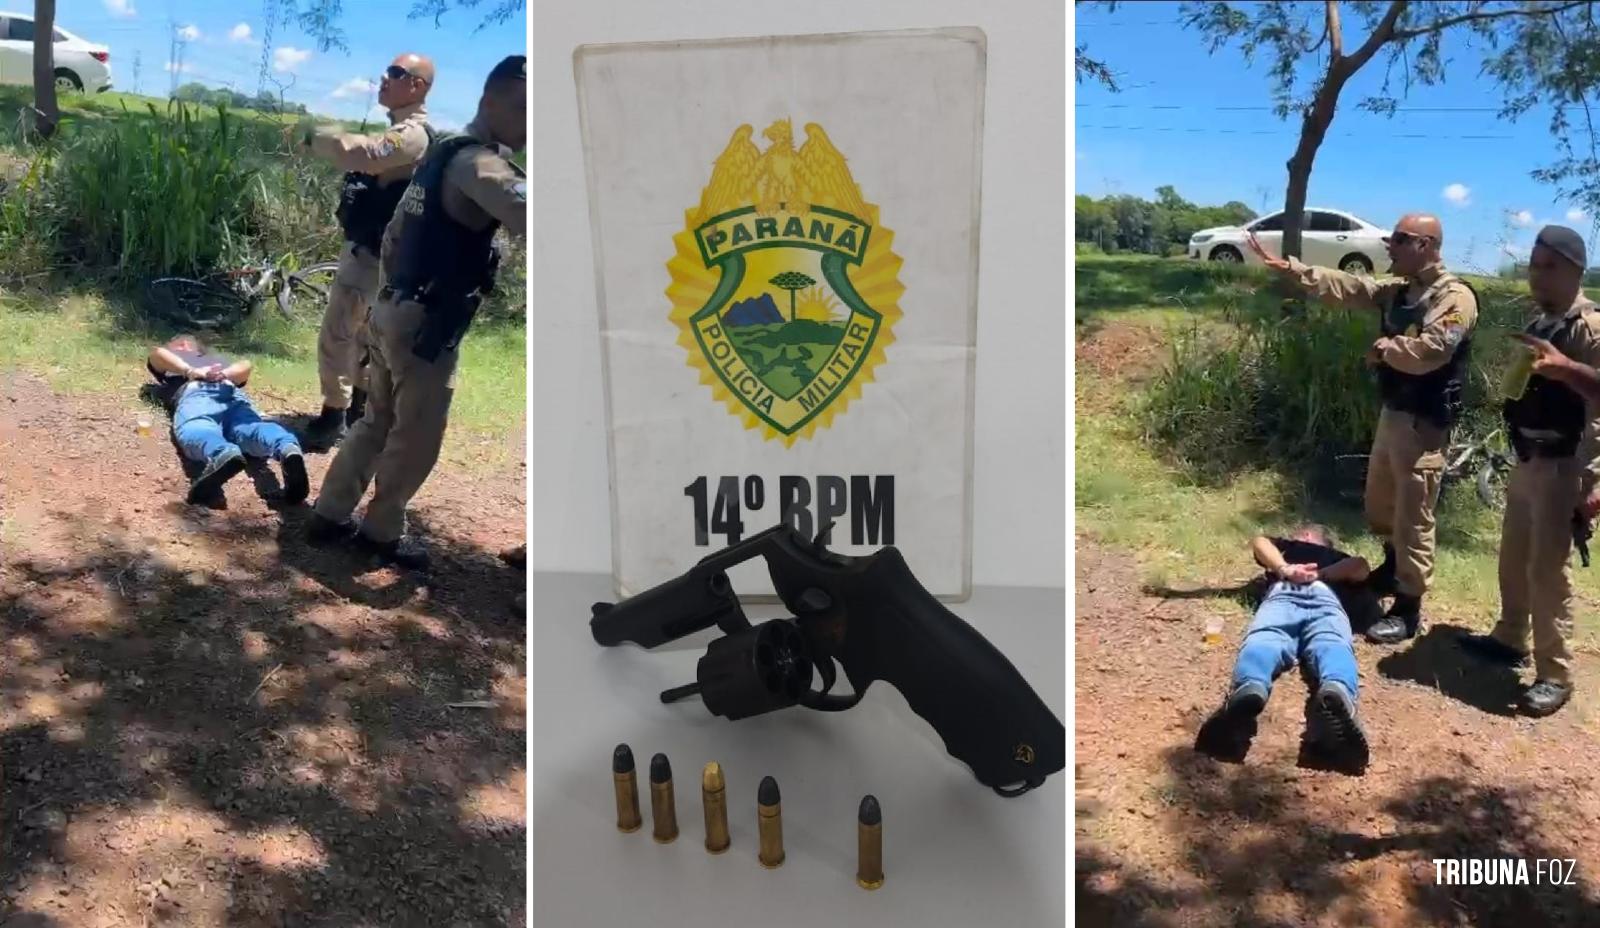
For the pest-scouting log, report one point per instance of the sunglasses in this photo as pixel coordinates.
(394, 73)
(1405, 238)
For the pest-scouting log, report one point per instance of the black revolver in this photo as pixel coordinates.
(1582, 531)
(871, 615)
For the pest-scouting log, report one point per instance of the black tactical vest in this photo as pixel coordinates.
(1549, 406)
(366, 206)
(437, 260)
(1437, 396)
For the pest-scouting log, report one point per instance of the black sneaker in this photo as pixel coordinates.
(1381, 581)
(1403, 621)
(1227, 733)
(1341, 733)
(404, 551)
(1544, 697)
(296, 485)
(358, 407)
(322, 530)
(218, 470)
(1493, 649)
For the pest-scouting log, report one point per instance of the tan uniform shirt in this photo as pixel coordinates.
(1449, 317)
(1583, 347)
(390, 157)
(481, 186)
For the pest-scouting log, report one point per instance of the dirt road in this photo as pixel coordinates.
(205, 722)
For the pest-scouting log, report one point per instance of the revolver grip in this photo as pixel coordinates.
(950, 675)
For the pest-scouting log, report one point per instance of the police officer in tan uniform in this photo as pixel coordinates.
(438, 258)
(1553, 431)
(378, 169)
(1427, 316)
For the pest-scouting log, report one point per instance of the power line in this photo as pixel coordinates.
(1214, 131)
(1270, 109)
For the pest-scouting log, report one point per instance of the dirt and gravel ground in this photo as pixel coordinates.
(1169, 837)
(205, 722)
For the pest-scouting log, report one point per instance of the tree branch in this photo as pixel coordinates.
(1334, 36)
(1403, 34)
(1380, 35)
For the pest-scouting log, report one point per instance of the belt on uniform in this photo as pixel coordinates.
(397, 295)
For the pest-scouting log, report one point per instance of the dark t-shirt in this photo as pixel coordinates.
(1304, 552)
(168, 385)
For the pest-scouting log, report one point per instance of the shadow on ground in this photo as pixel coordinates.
(231, 692)
(1437, 661)
(1251, 860)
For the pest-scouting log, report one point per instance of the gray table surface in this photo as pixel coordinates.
(955, 854)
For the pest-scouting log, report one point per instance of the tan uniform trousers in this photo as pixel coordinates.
(394, 447)
(344, 323)
(1402, 489)
(1535, 545)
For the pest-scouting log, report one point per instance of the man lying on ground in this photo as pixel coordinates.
(1300, 618)
(215, 423)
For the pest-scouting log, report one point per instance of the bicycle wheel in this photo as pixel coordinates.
(1492, 477)
(185, 303)
(314, 282)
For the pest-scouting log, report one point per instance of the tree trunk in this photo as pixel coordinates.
(1312, 131)
(44, 67)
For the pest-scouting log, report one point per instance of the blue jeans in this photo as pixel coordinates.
(213, 418)
(1304, 622)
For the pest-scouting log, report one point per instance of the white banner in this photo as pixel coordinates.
(786, 249)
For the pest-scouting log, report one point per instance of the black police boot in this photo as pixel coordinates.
(358, 407)
(404, 551)
(1340, 731)
(321, 530)
(1490, 648)
(1226, 734)
(326, 429)
(1402, 622)
(1381, 580)
(218, 470)
(1544, 697)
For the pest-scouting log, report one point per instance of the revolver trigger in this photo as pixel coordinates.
(828, 673)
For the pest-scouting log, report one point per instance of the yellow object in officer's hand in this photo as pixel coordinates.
(1516, 382)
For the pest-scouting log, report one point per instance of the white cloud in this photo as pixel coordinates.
(189, 34)
(122, 9)
(241, 33)
(288, 58)
(1459, 194)
(1522, 218)
(1576, 214)
(169, 67)
(354, 87)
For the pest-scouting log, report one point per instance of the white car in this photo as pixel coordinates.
(1329, 238)
(79, 65)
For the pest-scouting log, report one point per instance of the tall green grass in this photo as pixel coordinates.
(169, 195)
(1291, 386)
(27, 224)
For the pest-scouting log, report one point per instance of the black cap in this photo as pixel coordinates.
(870, 814)
(1564, 242)
(767, 795)
(660, 770)
(622, 759)
(511, 68)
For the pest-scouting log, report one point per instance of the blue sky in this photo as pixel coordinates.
(225, 49)
(1167, 126)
